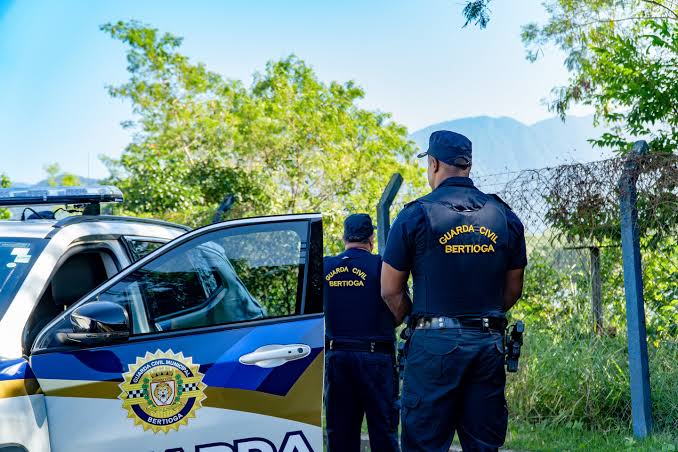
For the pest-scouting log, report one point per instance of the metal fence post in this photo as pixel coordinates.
(641, 404)
(596, 292)
(384, 210)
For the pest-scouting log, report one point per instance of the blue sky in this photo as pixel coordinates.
(412, 57)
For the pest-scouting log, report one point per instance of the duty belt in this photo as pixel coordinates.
(360, 346)
(481, 323)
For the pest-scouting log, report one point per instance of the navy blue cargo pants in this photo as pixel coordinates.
(358, 384)
(454, 381)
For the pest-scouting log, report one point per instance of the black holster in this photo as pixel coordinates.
(513, 343)
(404, 343)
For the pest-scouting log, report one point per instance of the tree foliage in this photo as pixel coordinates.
(56, 177)
(623, 60)
(477, 12)
(4, 183)
(52, 171)
(287, 143)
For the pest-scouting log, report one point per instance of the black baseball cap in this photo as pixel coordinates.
(449, 147)
(358, 227)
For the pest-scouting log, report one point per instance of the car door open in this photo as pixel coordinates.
(212, 342)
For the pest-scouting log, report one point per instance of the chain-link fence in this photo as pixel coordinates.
(575, 369)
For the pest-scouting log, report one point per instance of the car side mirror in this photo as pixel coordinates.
(95, 323)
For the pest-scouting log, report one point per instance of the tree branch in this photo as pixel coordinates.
(656, 3)
(623, 19)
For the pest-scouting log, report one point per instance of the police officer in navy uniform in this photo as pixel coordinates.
(466, 253)
(360, 376)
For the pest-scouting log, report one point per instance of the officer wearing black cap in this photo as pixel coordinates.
(466, 252)
(360, 374)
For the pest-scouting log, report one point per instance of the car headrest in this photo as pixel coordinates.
(77, 276)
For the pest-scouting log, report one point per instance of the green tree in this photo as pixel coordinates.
(477, 12)
(52, 171)
(4, 183)
(70, 180)
(287, 143)
(56, 177)
(623, 61)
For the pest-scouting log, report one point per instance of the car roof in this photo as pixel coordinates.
(31, 229)
(46, 228)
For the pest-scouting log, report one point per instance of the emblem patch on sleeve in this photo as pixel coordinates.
(162, 390)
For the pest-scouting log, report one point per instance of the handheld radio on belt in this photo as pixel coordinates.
(514, 341)
(404, 344)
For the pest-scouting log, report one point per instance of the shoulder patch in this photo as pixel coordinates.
(501, 201)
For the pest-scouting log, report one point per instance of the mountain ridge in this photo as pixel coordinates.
(504, 144)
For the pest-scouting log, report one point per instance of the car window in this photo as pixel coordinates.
(140, 247)
(17, 255)
(224, 276)
(238, 274)
(189, 280)
(270, 265)
(232, 275)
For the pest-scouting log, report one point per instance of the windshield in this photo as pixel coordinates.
(16, 258)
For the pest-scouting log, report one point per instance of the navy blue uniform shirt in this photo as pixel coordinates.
(411, 242)
(354, 308)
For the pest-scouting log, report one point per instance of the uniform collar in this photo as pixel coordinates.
(351, 252)
(457, 182)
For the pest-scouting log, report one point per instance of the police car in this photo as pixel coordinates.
(132, 334)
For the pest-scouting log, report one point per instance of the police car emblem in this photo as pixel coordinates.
(162, 390)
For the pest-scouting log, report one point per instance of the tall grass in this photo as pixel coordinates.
(583, 382)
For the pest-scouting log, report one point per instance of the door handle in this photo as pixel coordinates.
(275, 355)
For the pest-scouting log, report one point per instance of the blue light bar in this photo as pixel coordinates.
(37, 196)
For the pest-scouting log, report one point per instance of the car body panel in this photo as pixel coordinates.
(37, 229)
(272, 401)
(23, 414)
